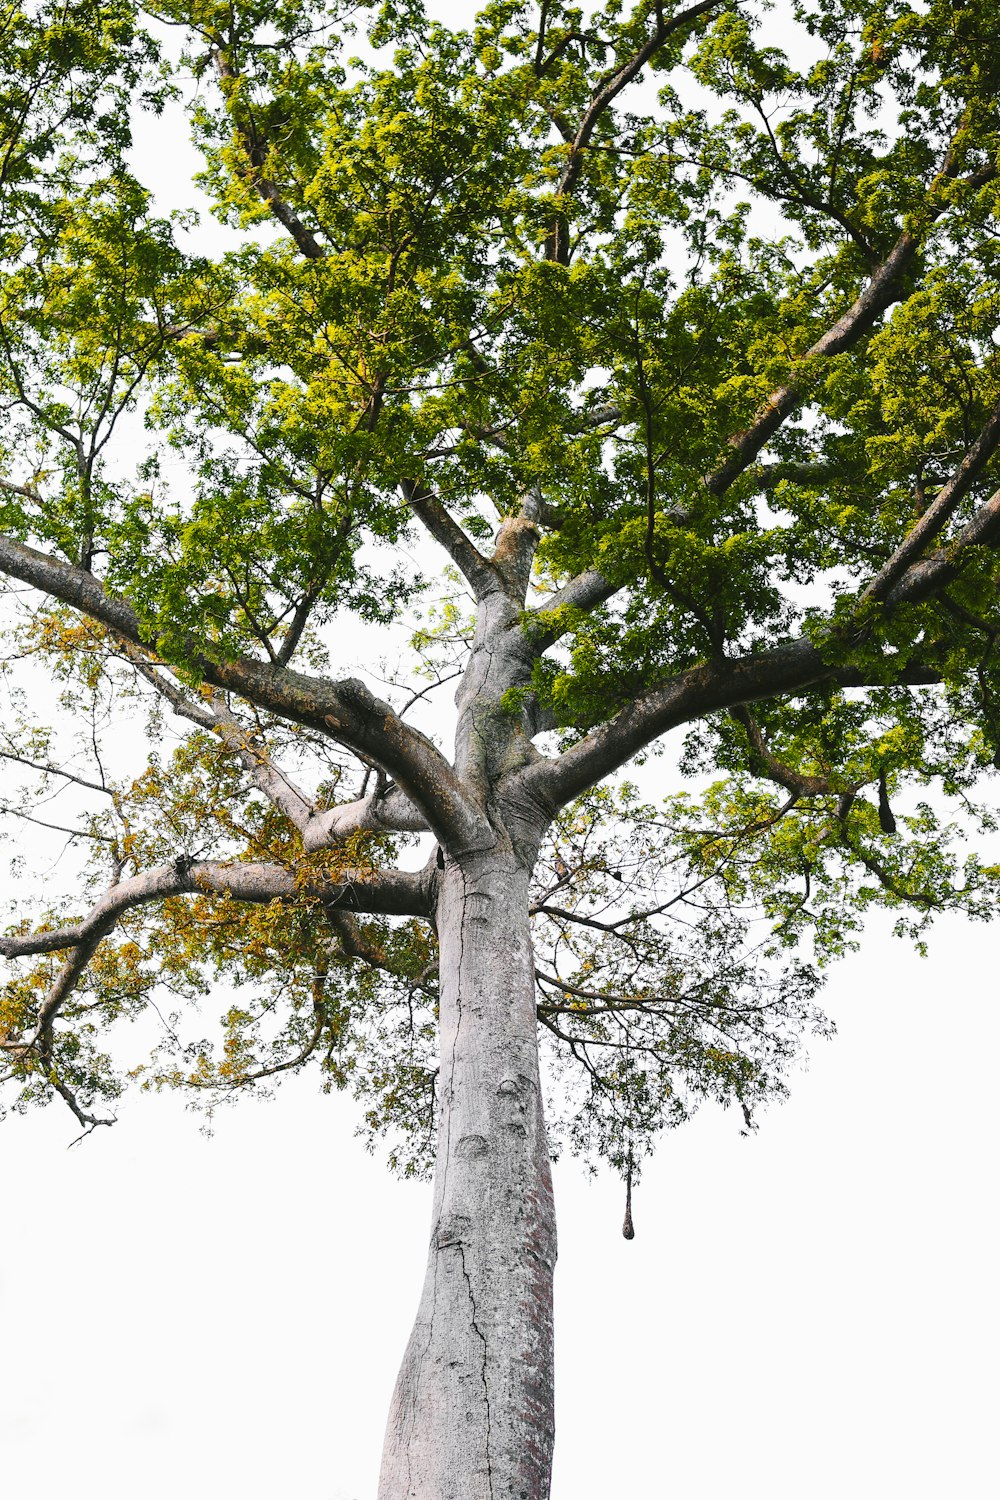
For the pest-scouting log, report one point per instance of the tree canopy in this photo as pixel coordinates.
(685, 321)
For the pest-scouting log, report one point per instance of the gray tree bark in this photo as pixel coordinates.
(472, 1412)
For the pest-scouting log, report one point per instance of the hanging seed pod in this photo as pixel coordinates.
(887, 822)
(628, 1231)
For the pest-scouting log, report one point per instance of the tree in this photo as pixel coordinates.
(694, 393)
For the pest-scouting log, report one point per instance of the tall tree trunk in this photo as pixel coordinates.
(472, 1412)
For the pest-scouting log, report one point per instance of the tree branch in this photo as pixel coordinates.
(386, 811)
(767, 477)
(346, 710)
(256, 149)
(74, 833)
(584, 592)
(8, 488)
(514, 554)
(35, 765)
(384, 892)
(607, 90)
(183, 706)
(354, 942)
(299, 620)
(940, 511)
(728, 683)
(383, 811)
(477, 570)
(395, 892)
(926, 577)
(882, 290)
(796, 782)
(278, 788)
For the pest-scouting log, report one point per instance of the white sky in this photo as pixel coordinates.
(808, 1312)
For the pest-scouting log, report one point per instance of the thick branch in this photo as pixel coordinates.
(940, 511)
(297, 624)
(880, 293)
(930, 575)
(882, 290)
(393, 892)
(383, 811)
(388, 811)
(584, 592)
(514, 554)
(385, 892)
(256, 150)
(727, 683)
(797, 782)
(477, 570)
(345, 710)
(269, 778)
(797, 664)
(767, 477)
(8, 488)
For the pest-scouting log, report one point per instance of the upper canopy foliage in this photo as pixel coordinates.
(704, 302)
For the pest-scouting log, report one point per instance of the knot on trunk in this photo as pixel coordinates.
(472, 1146)
(519, 1085)
(452, 1229)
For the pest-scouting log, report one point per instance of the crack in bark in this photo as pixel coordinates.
(486, 1385)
